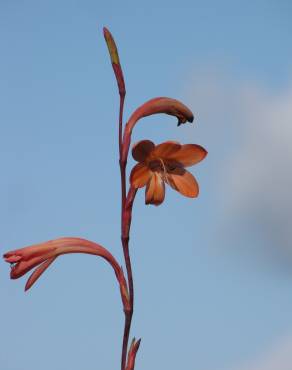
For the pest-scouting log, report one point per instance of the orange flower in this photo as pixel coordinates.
(165, 163)
(43, 254)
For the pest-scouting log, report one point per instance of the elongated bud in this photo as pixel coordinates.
(165, 105)
(132, 354)
(114, 55)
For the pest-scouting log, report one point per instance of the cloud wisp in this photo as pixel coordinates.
(278, 357)
(251, 155)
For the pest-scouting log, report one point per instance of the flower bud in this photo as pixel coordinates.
(114, 55)
(165, 105)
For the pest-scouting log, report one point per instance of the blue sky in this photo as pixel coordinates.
(212, 275)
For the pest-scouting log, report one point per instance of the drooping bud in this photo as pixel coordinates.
(114, 55)
(165, 105)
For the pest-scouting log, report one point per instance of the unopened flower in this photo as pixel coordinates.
(158, 105)
(165, 163)
(165, 105)
(43, 254)
(114, 55)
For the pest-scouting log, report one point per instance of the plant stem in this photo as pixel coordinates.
(126, 217)
(127, 327)
(128, 314)
(125, 220)
(122, 163)
(126, 224)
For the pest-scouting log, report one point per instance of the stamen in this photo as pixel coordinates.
(164, 171)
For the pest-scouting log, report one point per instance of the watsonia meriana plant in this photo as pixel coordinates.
(156, 166)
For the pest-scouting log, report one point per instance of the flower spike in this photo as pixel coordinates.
(157, 166)
(165, 105)
(114, 55)
(43, 254)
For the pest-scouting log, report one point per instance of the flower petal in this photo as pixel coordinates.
(38, 272)
(142, 149)
(166, 149)
(155, 190)
(27, 253)
(184, 182)
(189, 154)
(140, 175)
(22, 267)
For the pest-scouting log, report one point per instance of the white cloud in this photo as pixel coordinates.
(261, 170)
(278, 357)
(249, 132)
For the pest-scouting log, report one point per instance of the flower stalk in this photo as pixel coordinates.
(158, 166)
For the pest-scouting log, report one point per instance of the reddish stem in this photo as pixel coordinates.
(126, 216)
(122, 163)
(127, 328)
(126, 224)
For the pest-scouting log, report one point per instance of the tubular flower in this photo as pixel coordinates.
(158, 105)
(165, 163)
(43, 254)
(165, 105)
